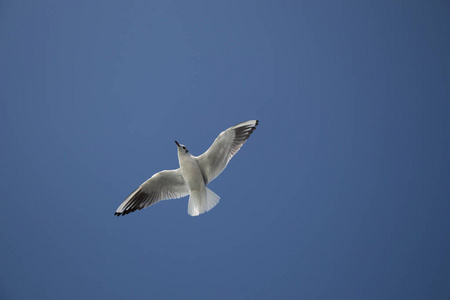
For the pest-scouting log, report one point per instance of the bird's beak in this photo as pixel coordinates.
(177, 143)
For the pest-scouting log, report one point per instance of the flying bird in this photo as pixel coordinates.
(193, 176)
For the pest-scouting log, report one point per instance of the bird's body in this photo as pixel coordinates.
(198, 200)
(190, 170)
(192, 177)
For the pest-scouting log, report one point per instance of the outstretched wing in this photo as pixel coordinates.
(226, 145)
(161, 186)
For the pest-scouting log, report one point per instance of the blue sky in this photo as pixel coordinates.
(342, 192)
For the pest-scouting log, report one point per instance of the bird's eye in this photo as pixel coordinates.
(184, 147)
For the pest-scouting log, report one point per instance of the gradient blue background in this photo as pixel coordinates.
(342, 192)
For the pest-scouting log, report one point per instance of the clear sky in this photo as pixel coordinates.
(342, 192)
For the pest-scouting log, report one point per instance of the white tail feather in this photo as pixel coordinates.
(211, 199)
(202, 201)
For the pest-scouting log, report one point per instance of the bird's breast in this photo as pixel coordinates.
(191, 173)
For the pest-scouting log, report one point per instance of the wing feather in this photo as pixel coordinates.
(167, 184)
(226, 145)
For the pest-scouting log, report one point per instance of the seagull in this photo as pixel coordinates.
(193, 175)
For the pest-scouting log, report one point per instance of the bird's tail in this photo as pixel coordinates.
(202, 201)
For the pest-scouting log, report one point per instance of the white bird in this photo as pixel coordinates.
(193, 176)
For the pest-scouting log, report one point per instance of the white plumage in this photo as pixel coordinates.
(193, 176)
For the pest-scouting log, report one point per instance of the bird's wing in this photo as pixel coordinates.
(161, 186)
(226, 145)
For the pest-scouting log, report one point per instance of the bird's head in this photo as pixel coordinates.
(181, 148)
